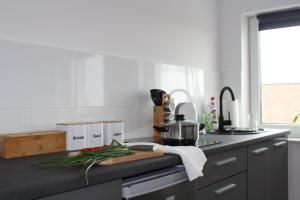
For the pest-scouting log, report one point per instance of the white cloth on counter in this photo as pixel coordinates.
(192, 157)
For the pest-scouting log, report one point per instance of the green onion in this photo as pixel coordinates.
(88, 159)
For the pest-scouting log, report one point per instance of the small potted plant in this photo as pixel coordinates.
(296, 118)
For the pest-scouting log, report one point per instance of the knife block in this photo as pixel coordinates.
(158, 119)
(159, 114)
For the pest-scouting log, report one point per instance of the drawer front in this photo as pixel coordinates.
(105, 191)
(234, 188)
(223, 165)
(182, 191)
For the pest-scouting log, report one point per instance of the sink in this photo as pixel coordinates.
(238, 131)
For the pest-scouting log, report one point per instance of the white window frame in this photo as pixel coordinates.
(255, 79)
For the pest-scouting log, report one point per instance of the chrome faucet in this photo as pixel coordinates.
(223, 122)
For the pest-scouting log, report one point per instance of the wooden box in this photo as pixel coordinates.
(33, 143)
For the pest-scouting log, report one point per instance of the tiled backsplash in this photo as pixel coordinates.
(42, 85)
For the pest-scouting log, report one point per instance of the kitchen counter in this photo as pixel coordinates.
(21, 180)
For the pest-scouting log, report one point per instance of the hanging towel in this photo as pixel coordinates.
(192, 157)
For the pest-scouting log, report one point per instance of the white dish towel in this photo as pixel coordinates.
(192, 157)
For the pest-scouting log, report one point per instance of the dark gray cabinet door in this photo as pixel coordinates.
(223, 165)
(233, 188)
(279, 170)
(106, 191)
(268, 170)
(259, 171)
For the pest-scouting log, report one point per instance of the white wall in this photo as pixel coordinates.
(174, 32)
(182, 33)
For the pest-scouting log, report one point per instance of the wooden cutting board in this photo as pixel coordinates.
(138, 155)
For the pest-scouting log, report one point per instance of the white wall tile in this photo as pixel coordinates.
(36, 76)
(90, 80)
(211, 84)
(50, 85)
(186, 78)
(40, 119)
(69, 115)
(11, 120)
(126, 82)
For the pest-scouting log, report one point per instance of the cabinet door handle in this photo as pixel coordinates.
(225, 161)
(225, 189)
(261, 150)
(279, 144)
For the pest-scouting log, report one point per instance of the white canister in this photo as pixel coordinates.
(94, 133)
(113, 130)
(76, 135)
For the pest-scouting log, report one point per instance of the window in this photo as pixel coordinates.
(279, 60)
(280, 74)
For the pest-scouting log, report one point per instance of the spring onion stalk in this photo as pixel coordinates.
(88, 159)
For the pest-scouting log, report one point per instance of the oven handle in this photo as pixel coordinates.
(138, 188)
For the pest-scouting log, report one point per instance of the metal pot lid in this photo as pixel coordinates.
(179, 120)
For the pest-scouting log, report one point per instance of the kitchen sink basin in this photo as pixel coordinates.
(238, 131)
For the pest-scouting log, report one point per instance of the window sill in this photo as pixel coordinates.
(294, 140)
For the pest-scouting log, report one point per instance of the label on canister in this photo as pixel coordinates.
(113, 130)
(75, 135)
(94, 133)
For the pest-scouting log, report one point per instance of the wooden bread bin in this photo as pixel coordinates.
(32, 143)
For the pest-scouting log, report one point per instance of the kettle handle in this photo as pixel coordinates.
(177, 108)
(161, 128)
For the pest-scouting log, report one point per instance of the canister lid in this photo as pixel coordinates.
(113, 121)
(80, 123)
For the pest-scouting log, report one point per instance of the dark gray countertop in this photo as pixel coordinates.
(19, 179)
